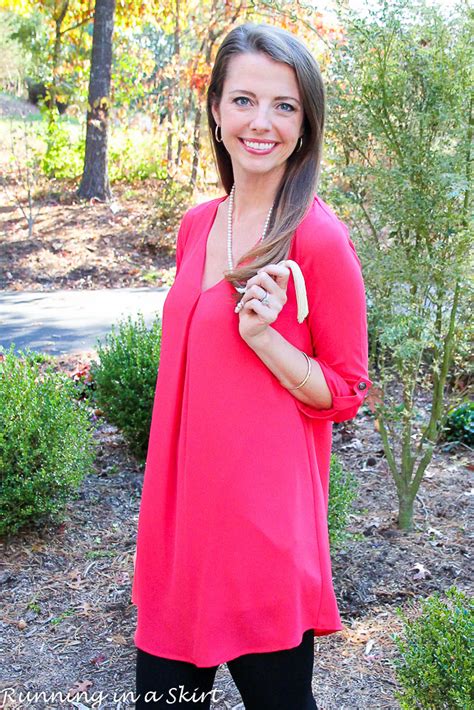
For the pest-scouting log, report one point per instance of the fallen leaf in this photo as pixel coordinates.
(97, 660)
(119, 639)
(122, 578)
(79, 687)
(84, 609)
(435, 532)
(422, 571)
(368, 647)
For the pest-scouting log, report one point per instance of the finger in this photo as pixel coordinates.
(279, 271)
(254, 291)
(274, 274)
(265, 280)
(264, 312)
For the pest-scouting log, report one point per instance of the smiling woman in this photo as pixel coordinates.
(233, 562)
(264, 121)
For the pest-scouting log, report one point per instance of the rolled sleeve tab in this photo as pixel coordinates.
(344, 406)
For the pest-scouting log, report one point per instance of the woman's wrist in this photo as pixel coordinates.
(289, 364)
(308, 373)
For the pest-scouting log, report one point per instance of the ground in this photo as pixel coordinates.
(68, 620)
(77, 244)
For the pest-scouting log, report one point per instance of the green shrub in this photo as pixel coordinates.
(46, 442)
(460, 424)
(171, 198)
(134, 156)
(436, 668)
(125, 379)
(342, 492)
(158, 229)
(63, 155)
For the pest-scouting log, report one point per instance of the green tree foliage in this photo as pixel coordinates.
(55, 35)
(400, 131)
(23, 42)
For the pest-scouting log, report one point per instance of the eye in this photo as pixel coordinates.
(288, 106)
(240, 98)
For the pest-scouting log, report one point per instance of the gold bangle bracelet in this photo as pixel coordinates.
(307, 374)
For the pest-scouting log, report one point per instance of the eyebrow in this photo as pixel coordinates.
(250, 93)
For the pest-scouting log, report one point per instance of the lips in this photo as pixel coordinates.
(258, 147)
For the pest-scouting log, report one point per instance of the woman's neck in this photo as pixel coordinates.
(254, 197)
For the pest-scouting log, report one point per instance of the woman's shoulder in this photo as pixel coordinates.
(321, 230)
(322, 218)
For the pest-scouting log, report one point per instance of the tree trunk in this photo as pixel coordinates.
(58, 21)
(95, 179)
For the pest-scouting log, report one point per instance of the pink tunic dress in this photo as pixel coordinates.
(232, 548)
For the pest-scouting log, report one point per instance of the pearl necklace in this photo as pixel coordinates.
(230, 210)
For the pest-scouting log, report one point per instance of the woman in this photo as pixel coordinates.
(233, 557)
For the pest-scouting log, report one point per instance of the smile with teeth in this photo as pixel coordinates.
(257, 145)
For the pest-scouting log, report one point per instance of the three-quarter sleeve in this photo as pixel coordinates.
(337, 317)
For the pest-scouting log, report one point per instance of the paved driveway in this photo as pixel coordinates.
(58, 322)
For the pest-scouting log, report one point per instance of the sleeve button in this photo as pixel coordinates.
(362, 386)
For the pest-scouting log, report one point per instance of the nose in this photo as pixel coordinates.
(261, 119)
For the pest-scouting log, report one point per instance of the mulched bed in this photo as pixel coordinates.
(86, 245)
(68, 621)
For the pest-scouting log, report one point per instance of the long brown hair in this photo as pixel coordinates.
(296, 190)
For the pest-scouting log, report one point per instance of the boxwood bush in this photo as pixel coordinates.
(46, 442)
(436, 665)
(125, 378)
(342, 492)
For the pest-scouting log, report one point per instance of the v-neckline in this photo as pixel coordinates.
(205, 241)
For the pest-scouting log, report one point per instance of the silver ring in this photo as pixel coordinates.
(265, 298)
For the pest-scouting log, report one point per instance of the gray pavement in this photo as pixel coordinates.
(60, 322)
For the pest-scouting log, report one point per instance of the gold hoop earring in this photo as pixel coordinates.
(215, 133)
(301, 143)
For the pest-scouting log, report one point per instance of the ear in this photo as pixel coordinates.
(216, 112)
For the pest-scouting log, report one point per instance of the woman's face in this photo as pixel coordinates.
(260, 114)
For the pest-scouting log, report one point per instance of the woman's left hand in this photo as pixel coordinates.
(270, 283)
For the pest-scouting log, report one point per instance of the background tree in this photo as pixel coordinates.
(400, 137)
(95, 180)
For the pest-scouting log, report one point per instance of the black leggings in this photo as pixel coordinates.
(278, 680)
